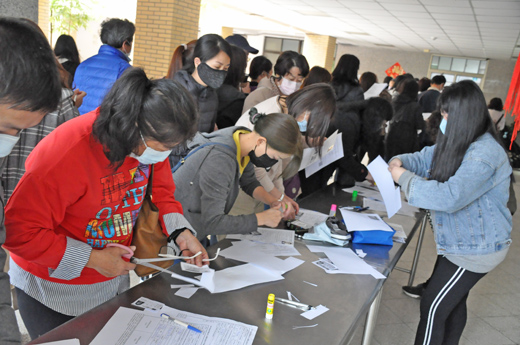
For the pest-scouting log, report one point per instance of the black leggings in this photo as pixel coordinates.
(443, 304)
(38, 318)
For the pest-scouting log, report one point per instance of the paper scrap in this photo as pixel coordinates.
(361, 253)
(298, 327)
(315, 312)
(65, 342)
(186, 292)
(400, 235)
(178, 286)
(326, 264)
(186, 267)
(310, 283)
(146, 303)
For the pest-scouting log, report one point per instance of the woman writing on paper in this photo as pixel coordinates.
(209, 180)
(464, 181)
(83, 188)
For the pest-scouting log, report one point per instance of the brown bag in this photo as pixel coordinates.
(148, 236)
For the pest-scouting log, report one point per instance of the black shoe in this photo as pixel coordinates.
(414, 291)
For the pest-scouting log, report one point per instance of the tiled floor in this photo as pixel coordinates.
(493, 304)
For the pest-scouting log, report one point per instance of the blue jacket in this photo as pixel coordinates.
(97, 74)
(469, 211)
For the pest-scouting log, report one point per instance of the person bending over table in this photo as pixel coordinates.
(210, 178)
(83, 188)
(464, 181)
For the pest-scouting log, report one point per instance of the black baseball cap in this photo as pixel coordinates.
(241, 42)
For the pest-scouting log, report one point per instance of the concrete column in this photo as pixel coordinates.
(226, 31)
(319, 50)
(44, 14)
(161, 26)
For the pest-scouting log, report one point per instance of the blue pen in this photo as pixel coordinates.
(185, 325)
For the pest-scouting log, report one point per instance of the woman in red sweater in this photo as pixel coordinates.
(83, 188)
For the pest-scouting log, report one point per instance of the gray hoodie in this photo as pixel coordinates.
(208, 182)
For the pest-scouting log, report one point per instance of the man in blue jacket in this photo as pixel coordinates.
(97, 74)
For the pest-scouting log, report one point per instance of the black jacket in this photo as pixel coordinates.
(205, 97)
(230, 104)
(428, 100)
(402, 136)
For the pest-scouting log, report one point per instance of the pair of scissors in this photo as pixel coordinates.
(164, 257)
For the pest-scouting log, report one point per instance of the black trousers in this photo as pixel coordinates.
(443, 304)
(38, 318)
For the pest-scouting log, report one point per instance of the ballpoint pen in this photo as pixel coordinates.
(293, 304)
(185, 325)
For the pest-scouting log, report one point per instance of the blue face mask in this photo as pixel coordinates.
(150, 156)
(442, 126)
(303, 126)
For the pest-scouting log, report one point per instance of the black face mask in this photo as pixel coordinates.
(214, 78)
(264, 161)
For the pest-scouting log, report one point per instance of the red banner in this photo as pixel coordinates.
(395, 70)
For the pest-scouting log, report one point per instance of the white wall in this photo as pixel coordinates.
(87, 40)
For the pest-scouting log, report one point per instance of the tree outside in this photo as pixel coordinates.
(67, 16)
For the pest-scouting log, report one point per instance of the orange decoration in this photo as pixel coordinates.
(512, 104)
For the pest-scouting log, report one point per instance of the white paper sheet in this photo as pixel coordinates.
(63, 342)
(186, 267)
(308, 218)
(237, 277)
(135, 327)
(346, 261)
(335, 152)
(240, 250)
(391, 195)
(314, 313)
(375, 90)
(186, 292)
(266, 235)
(310, 155)
(357, 221)
(405, 210)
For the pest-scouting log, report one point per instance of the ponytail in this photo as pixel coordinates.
(181, 56)
(161, 110)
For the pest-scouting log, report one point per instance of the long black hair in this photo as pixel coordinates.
(207, 47)
(161, 110)
(346, 70)
(65, 47)
(468, 119)
(237, 68)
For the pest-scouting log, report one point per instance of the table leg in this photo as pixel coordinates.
(417, 250)
(370, 323)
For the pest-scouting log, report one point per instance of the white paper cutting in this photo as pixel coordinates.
(237, 277)
(356, 221)
(265, 235)
(186, 267)
(63, 342)
(186, 292)
(178, 286)
(334, 153)
(375, 90)
(391, 195)
(310, 156)
(315, 312)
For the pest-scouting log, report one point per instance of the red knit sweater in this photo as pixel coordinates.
(69, 190)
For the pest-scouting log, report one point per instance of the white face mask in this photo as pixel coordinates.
(150, 156)
(7, 143)
(288, 87)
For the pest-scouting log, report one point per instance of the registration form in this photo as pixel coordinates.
(136, 327)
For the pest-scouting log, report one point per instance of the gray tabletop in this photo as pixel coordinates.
(347, 296)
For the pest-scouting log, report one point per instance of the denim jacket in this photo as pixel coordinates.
(469, 211)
